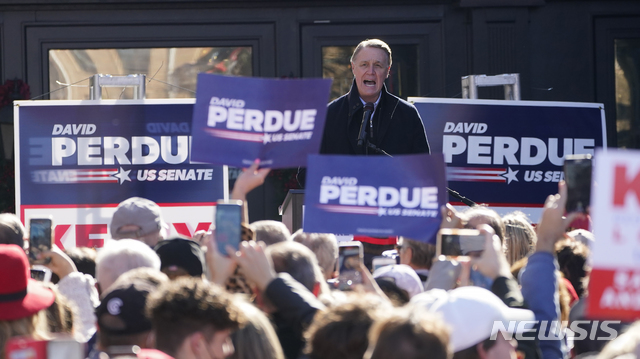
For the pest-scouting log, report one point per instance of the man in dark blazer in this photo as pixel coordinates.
(396, 126)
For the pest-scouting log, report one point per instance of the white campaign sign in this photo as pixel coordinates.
(615, 209)
(614, 285)
(71, 230)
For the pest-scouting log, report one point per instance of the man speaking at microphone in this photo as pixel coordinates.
(368, 120)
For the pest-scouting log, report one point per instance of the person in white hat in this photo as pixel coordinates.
(480, 322)
(403, 276)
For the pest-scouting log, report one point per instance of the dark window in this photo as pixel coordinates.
(403, 78)
(627, 77)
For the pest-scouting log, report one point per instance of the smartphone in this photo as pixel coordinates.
(350, 257)
(454, 242)
(22, 347)
(65, 348)
(40, 238)
(41, 273)
(382, 261)
(228, 229)
(577, 176)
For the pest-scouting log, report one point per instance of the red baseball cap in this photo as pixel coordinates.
(20, 296)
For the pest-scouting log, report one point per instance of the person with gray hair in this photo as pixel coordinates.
(395, 126)
(118, 257)
(324, 246)
(270, 232)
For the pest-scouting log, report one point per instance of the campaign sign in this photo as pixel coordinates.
(509, 154)
(239, 119)
(614, 285)
(375, 196)
(76, 160)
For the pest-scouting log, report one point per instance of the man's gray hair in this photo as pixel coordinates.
(118, 257)
(323, 245)
(377, 43)
(297, 260)
(270, 232)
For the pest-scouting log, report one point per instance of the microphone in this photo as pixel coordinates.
(368, 110)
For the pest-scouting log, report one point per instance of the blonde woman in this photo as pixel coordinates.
(257, 339)
(520, 237)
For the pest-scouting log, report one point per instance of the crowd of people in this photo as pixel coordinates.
(147, 296)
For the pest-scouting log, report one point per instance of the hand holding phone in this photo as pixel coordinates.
(350, 258)
(40, 239)
(454, 242)
(228, 225)
(220, 266)
(470, 245)
(577, 176)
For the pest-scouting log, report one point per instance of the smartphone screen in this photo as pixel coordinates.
(40, 239)
(349, 259)
(228, 229)
(460, 242)
(66, 348)
(577, 175)
(41, 273)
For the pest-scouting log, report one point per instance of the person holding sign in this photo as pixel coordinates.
(368, 119)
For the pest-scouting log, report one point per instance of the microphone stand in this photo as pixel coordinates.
(366, 117)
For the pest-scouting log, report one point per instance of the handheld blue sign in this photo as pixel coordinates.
(375, 196)
(239, 119)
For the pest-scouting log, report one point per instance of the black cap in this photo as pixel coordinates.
(183, 253)
(121, 311)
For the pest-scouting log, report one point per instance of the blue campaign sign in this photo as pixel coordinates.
(239, 119)
(76, 160)
(375, 196)
(83, 153)
(509, 153)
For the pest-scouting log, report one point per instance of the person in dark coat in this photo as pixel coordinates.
(396, 126)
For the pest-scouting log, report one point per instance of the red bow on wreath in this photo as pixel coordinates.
(13, 90)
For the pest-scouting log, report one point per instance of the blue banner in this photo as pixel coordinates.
(239, 119)
(77, 153)
(509, 153)
(375, 196)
